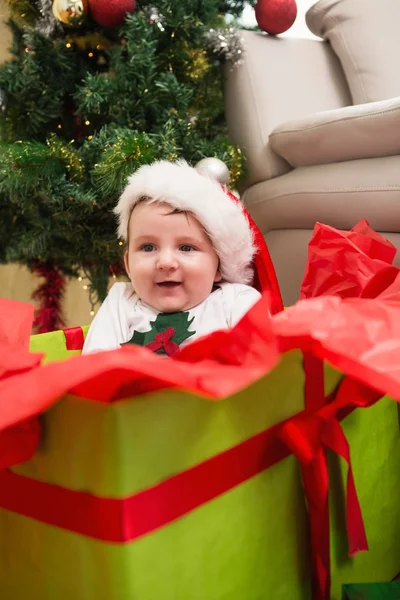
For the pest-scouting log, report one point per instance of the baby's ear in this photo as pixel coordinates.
(126, 261)
(218, 276)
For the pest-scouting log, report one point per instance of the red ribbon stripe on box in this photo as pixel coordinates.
(123, 520)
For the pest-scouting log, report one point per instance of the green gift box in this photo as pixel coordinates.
(372, 591)
(100, 467)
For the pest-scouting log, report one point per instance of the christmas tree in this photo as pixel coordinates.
(94, 89)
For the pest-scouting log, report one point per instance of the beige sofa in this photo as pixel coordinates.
(319, 122)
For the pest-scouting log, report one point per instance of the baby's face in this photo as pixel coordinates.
(170, 260)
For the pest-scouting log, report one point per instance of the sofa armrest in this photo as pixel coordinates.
(362, 131)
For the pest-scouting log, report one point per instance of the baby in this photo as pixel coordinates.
(189, 249)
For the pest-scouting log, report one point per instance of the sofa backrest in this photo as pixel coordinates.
(365, 36)
(279, 79)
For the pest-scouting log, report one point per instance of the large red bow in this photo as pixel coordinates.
(309, 435)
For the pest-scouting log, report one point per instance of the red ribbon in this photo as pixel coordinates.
(309, 435)
(125, 519)
(74, 338)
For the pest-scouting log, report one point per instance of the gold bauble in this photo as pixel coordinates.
(70, 12)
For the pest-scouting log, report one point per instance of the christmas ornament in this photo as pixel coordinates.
(154, 16)
(275, 16)
(215, 168)
(111, 13)
(49, 296)
(226, 44)
(166, 333)
(70, 12)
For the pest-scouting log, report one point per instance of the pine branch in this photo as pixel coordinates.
(173, 93)
(121, 159)
(25, 166)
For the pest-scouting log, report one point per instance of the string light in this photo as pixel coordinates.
(89, 137)
(59, 126)
(90, 55)
(86, 287)
(87, 122)
(120, 243)
(68, 45)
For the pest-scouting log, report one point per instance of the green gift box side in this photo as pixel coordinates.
(372, 591)
(251, 542)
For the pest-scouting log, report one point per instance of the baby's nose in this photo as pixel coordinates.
(167, 260)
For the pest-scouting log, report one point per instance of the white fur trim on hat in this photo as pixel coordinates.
(182, 187)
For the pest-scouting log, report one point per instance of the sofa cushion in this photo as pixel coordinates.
(338, 194)
(361, 131)
(365, 36)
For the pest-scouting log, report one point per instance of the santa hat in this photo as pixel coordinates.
(184, 188)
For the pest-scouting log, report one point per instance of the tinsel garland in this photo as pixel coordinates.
(226, 44)
(47, 24)
(48, 296)
(154, 16)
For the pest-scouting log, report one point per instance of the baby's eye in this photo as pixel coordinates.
(147, 247)
(186, 248)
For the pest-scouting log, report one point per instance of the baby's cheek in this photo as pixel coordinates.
(140, 263)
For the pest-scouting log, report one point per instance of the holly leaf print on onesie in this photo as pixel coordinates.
(166, 333)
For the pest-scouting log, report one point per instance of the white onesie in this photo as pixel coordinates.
(123, 317)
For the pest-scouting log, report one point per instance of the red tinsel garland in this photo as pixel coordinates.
(116, 270)
(49, 296)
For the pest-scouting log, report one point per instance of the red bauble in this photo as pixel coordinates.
(111, 13)
(276, 16)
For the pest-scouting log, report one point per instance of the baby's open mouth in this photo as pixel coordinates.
(169, 283)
